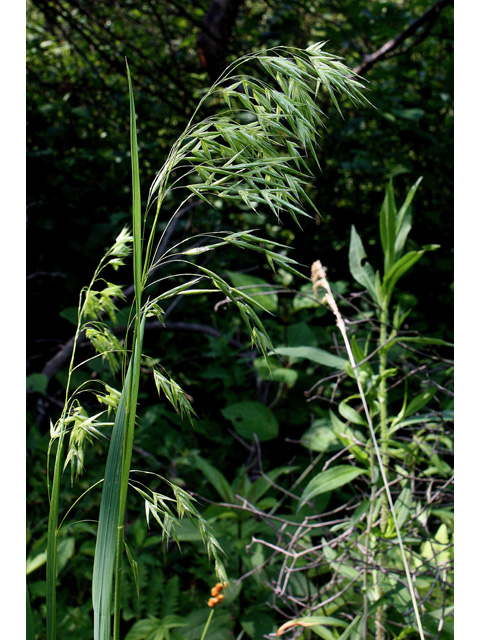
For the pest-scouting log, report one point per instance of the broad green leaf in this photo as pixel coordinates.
(257, 624)
(419, 402)
(249, 418)
(436, 551)
(323, 632)
(403, 508)
(305, 299)
(301, 335)
(320, 356)
(216, 479)
(445, 515)
(329, 480)
(347, 437)
(269, 369)
(65, 551)
(263, 484)
(403, 209)
(399, 597)
(142, 628)
(350, 414)
(320, 437)
(432, 621)
(70, 314)
(287, 376)
(36, 562)
(37, 382)
(361, 270)
(364, 371)
(154, 629)
(425, 419)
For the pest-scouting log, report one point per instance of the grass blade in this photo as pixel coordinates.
(109, 547)
(106, 546)
(30, 629)
(105, 549)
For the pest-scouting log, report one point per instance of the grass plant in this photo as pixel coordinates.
(253, 153)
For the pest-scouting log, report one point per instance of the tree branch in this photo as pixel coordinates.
(216, 31)
(60, 358)
(429, 17)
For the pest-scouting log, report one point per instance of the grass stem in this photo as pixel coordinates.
(207, 624)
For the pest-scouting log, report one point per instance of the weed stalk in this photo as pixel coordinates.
(319, 279)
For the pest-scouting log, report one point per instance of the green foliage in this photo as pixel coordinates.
(329, 480)
(251, 419)
(299, 75)
(276, 552)
(404, 454)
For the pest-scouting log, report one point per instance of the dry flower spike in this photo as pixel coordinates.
(293, 623)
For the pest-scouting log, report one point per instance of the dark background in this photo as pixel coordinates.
(78, 165)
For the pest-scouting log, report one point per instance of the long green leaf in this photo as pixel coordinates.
(132, 385)
(30, 629)
(353, 626)
(107, 535)
(134, 566)
(216, 479)
(388, 223)
(361, 270)
(109, 546)
(105, 549)
(401, 267)
(137, 222)
(404, 220)
(348, 438)
(422, 340)
(320, 356)
(329, 480)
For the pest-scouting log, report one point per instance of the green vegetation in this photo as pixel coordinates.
(215, 425)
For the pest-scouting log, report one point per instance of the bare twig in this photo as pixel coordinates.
(429, 17)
